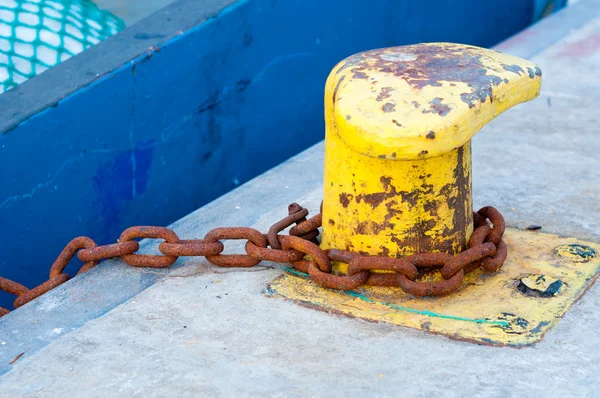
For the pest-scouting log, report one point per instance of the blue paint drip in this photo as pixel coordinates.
(407, 309)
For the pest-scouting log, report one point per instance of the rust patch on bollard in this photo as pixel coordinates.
(431, 65)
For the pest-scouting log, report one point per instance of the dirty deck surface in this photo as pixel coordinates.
(198, 329)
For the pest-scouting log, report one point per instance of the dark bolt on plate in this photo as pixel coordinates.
(576, 253)
(539, 286)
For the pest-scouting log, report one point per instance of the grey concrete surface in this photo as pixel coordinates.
(206, 331)
(132, 11)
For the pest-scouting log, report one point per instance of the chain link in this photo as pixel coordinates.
(191, 247)
(486, 250)
(274, 255)
(149, 260)
(340, 282)
(65, 257)
(235, 260)
(297, 214)
(108, 251)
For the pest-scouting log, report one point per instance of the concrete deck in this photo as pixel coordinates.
(197, 329)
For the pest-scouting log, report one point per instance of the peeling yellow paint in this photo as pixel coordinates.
(396, 208)
(487, 309)
(397, 148)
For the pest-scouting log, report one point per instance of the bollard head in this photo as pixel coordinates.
(424, 100)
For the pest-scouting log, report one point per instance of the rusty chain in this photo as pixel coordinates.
(486, 250)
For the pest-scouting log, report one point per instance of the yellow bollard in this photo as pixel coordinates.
(398, 181)
(397, 151)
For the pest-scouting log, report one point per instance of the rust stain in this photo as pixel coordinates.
(385, 93)
(385, 252)
(412, 239)
(417, 237)
(387, 183)
(422, 66)
(410, 197)
(371, 227)
(431, 207)
(345, 199)
(359, 75)
(388, 107)
(463, 182)
(390, 191)
(391, 213)
(376, 198)
(373, 199)
(457, 195)
(436, 106)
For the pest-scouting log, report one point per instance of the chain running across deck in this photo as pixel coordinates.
(486, 250)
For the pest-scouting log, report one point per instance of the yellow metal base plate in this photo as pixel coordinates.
(543, 275)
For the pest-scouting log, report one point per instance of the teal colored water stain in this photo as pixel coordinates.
(408, 309)
(295, 272)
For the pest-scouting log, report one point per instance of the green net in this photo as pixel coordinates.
(38, 34)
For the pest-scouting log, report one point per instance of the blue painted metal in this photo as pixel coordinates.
(543, 8)
(197, 115)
